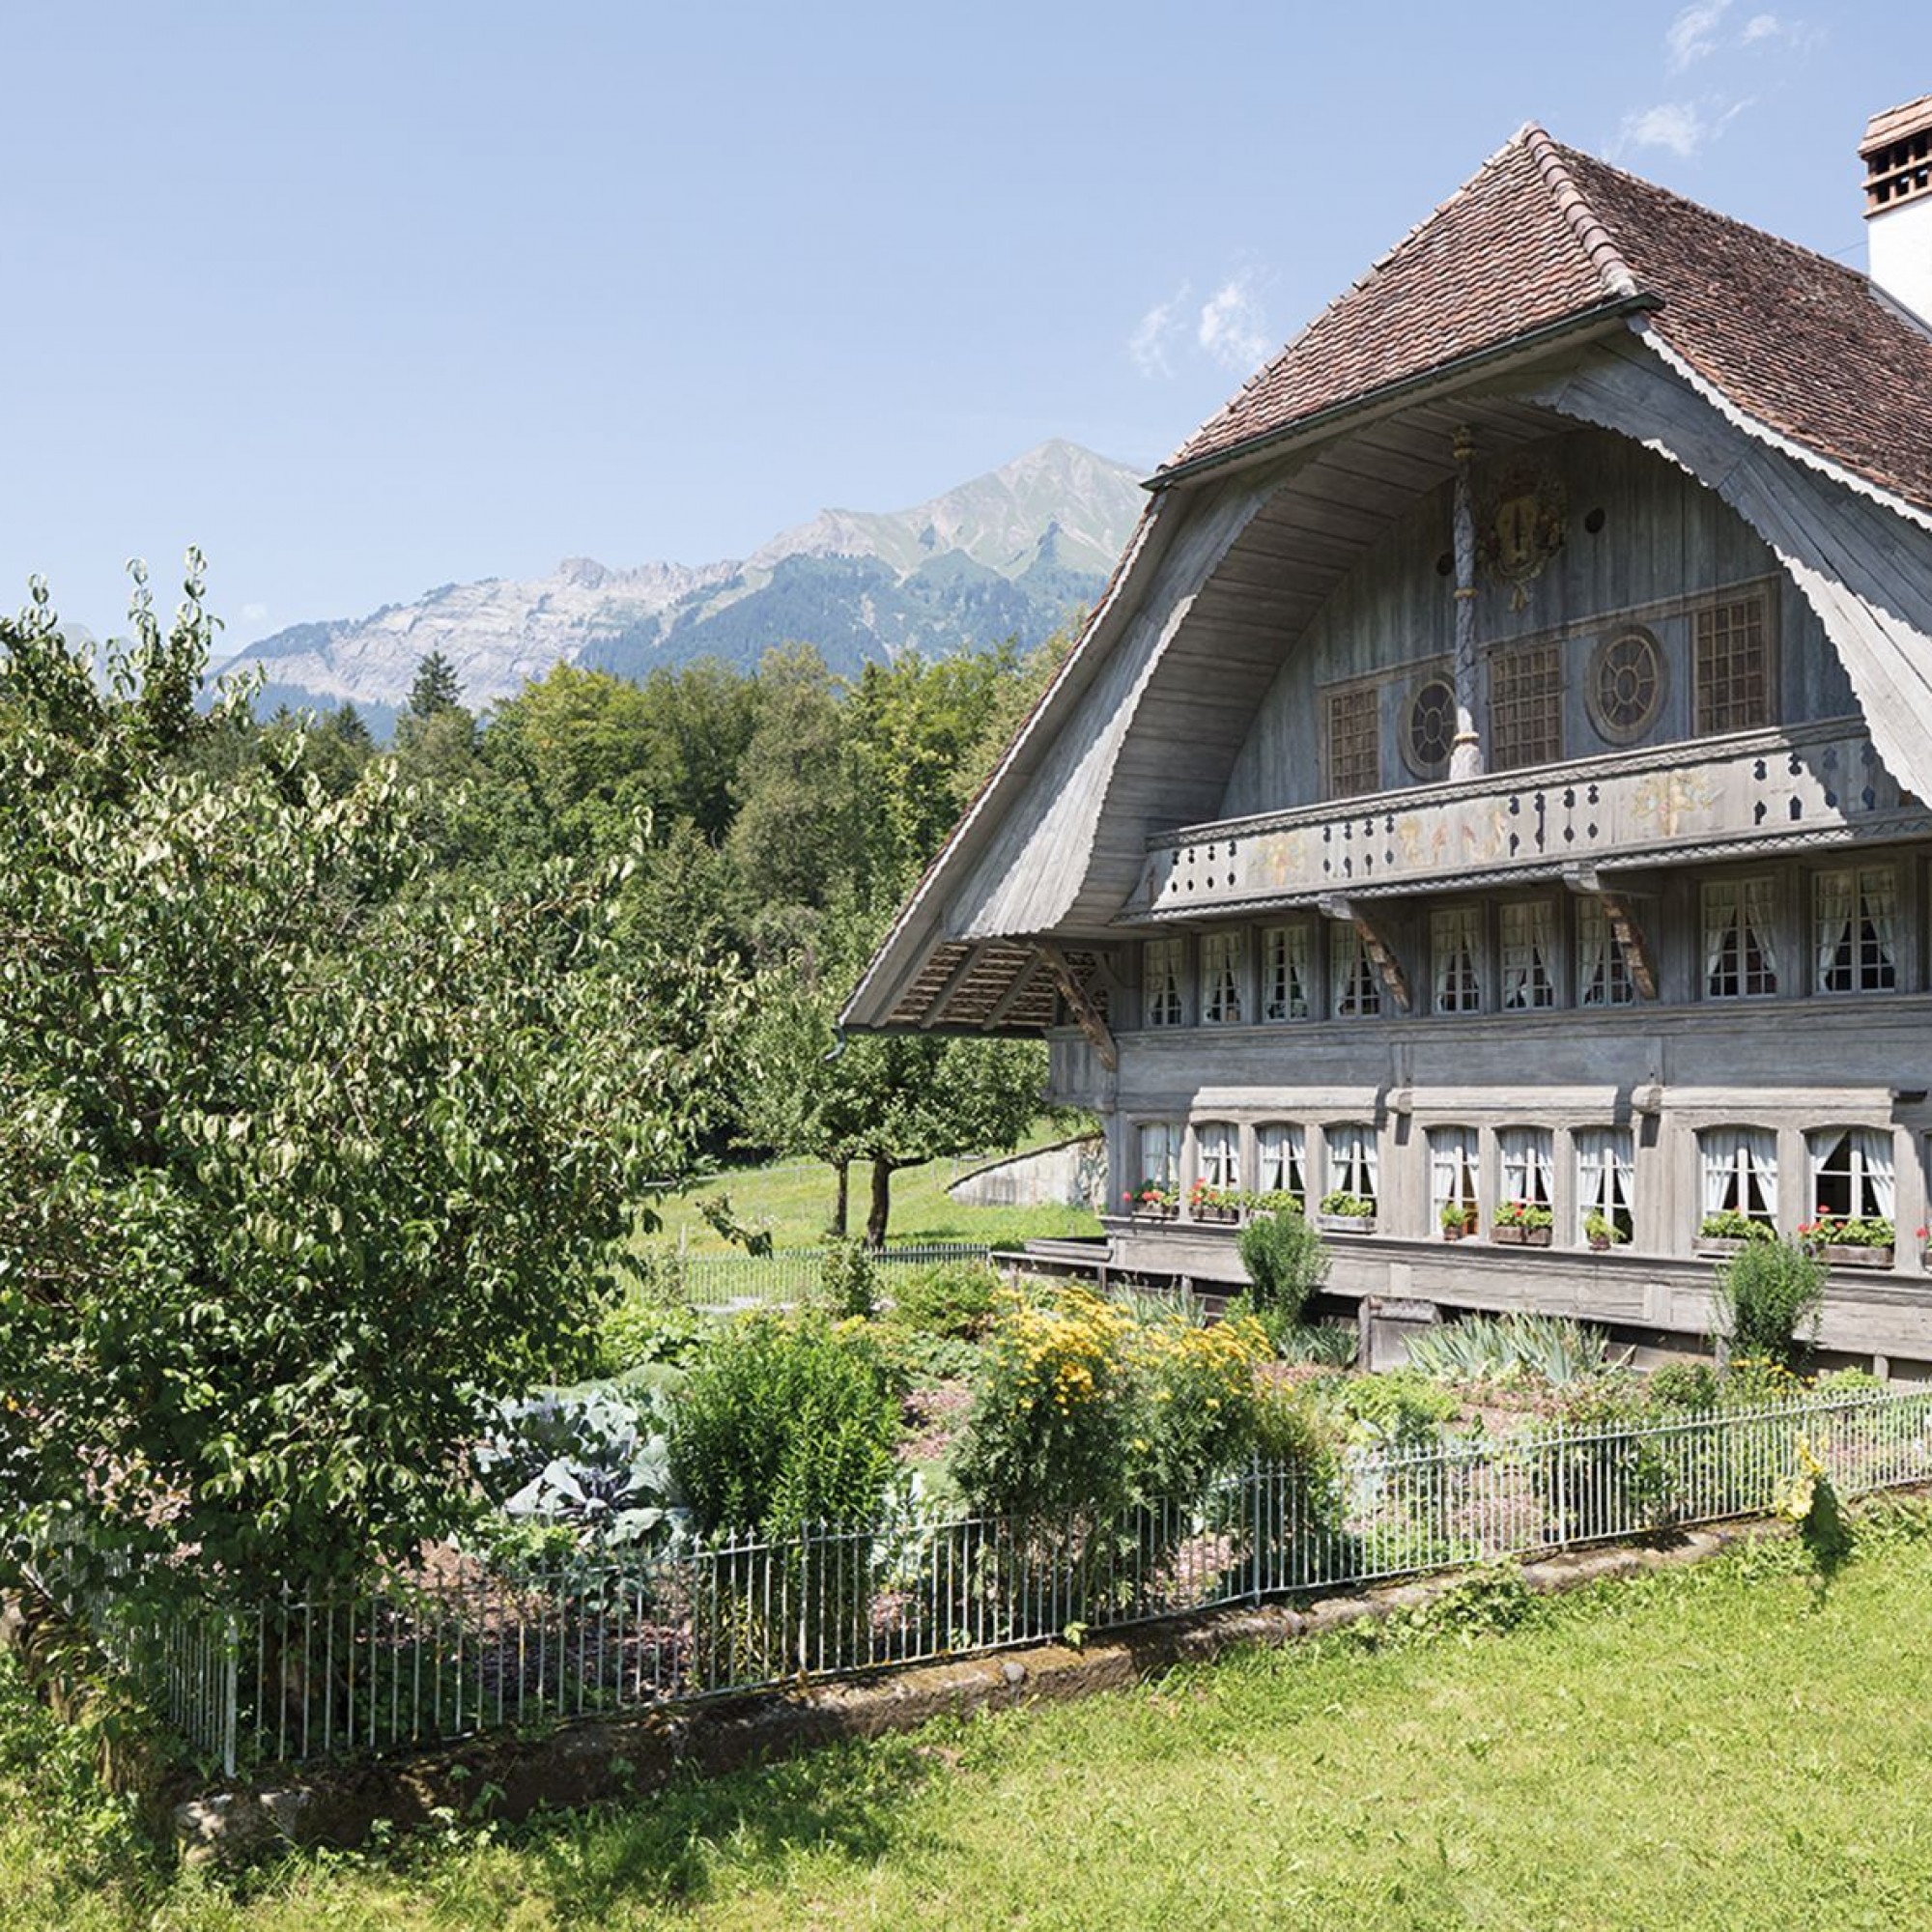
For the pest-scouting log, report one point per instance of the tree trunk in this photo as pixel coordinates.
(841, 1200)
(882, 1203)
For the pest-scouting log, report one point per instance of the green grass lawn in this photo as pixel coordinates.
(794, 1201)
(1715, 1747)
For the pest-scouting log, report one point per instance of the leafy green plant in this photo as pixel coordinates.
(590, 1459)
(1848, 1231)
(1286, 1261)
(1331, 1345)
(1766, 1294)
(1398, 1409)
(783, 1423)
(947, 1298)
(1353, 1206)
(1685, 1385)
(848, 1280)
(1521, 1214)
(1550, 1346)
(1455, 1217)
(1732, 1223)
(1600, 1228)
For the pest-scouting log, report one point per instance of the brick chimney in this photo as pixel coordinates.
(1897, 154)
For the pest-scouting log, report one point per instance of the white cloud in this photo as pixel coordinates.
(1694, 33)
(253, 613)
(1233, 328)
(1676, 125)
(1762, 27)
(1154, 333)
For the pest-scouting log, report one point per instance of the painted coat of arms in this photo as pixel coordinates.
(1521, 528)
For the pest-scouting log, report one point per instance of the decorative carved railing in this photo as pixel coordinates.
(1762, 792)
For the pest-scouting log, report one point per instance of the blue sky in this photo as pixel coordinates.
(366, 299)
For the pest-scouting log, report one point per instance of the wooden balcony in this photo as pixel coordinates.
(1700, 800)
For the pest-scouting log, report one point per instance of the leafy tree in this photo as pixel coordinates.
(302, 1147)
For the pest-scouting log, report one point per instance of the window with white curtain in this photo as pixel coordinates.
(1218, 1148)
(1605, 1178)
(1525, 1161)
(1281, 1159)
(1285, 973)
(1855, 929)
(1852, 1173)
(1740, 1171)
(1739, 939)
(1452, 1169)
(1357, 993)
(1351, 1161)
(1221, 965)
(1455, 944)
(1603, 971)
(1160, 1152)
(1165, 963)
(1528, 947)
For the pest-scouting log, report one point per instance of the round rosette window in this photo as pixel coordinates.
(1429, 729)
(1627, 685)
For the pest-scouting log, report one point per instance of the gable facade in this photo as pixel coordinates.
(1489, 798)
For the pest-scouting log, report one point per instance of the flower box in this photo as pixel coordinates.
(1155, 1214)
(1346, 1224)
(1837, 1254)
(1715, 1244)
(1226, 1216)
(1518, 1236)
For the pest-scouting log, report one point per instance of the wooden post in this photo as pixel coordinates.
(1465, 749)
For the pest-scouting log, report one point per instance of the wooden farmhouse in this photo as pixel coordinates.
(1488, 801)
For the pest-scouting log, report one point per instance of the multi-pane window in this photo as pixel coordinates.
(1222, 963)
(1217, 1149)
(1355, 991)
(1529, 945)
(1524, 1156)
(1285, 973)
(1452, 1174)
(1455, 945)
(1602, 972)
(1165, 963)
(1160, 1154)
(1855, 929)
(1605, 1181)
(1525, 706)
(1733, 657)
(1354, 740)
(1351, 1161)
(1852, 1173)
(1740, 1171)
(1739, 939)
(1281, 1159)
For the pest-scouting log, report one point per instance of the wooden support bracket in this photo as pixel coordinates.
(1376, 945)
(1022, 982)
(1083, 1008)
(935, 1012)
(1620, 910)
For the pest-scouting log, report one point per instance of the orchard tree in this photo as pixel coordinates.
(302, 1149)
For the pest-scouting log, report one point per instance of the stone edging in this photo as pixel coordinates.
(507, 1777)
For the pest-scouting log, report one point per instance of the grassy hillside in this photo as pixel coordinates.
(794, 1201)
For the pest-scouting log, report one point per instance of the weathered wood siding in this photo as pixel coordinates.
(1665, 542)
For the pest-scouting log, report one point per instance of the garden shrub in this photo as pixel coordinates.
(784, 1423)
(1287, 1261)
(848, 1280)
(638, 1330)
(1399, 1408)
(1766, 1293)
(1082, 1411)
(1684, 1385)
(953, 1300)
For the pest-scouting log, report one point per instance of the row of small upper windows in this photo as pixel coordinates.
(1626, 680)
(1851, 1171)
(1854, 948)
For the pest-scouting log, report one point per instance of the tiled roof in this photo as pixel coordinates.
(1543, 235)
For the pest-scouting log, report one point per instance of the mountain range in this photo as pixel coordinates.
(1009, 554)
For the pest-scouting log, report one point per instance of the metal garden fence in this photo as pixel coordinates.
(312, 1676)
(791, 1274)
